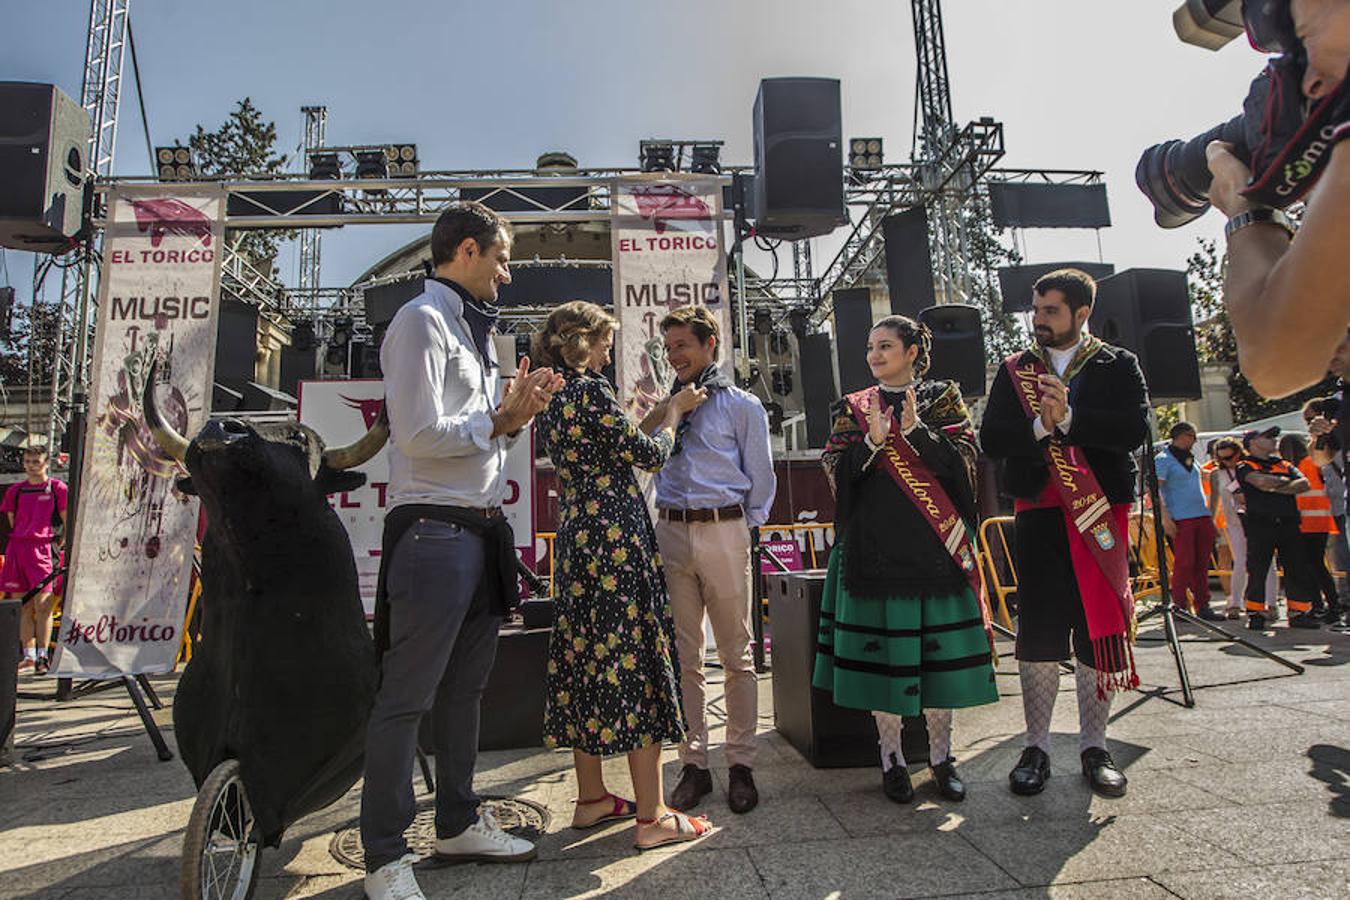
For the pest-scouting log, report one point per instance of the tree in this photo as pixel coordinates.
(1215, 342)
(33, 327)
(244, 146)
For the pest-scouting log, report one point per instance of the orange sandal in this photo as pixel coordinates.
(622, 809)
(687, 828)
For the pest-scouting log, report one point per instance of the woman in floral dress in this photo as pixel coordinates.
(612, 686)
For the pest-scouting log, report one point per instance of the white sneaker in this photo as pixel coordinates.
(394, 881)
(484, 841)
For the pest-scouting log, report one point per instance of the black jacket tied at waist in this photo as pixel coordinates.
(1109, 400)
(499, 588)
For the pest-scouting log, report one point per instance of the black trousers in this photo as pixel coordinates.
(1315, 545)
(1266, 537)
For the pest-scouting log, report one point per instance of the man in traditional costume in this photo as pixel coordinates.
(1064, 418)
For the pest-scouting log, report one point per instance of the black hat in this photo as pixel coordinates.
(1271, 432)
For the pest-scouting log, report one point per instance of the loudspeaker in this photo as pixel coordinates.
(958, 346)
(909, 265)
(1026, 205)
(799, 158)
(383, 300)
(819, 389)
(9, 679)
(236, 352)
(1148, 311)
(852, 323)
(296, 365)
(1016, 283)
(828, 736)
(44, 136)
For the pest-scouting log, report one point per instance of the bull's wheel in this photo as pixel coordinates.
(221, 847)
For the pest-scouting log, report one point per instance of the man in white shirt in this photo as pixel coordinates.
(447, 572)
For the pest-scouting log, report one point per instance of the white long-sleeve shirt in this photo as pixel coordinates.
(440, 399)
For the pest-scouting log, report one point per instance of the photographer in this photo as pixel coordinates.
(1289, 301)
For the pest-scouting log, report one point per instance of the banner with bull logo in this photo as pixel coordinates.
(131, 558)
(668, 252)
(341, 410)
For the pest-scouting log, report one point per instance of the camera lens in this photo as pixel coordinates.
(1175, 176)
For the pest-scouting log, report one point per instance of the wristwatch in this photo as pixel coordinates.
(1259, 214)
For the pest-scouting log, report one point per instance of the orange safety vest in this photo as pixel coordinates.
(1314, 506)
(1205, 471)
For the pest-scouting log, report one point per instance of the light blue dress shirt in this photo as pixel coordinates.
(725, 461)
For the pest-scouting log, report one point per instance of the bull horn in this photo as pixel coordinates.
(170, 441)
(352, 455)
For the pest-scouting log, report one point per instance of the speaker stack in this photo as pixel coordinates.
(909, 264)
(44, 136)
(799, 158)
(1148, 311)
(852, 325)
(958, 346)
(819, 388)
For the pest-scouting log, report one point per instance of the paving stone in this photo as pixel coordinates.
(670, 873)
(1071, 848)
(890, 866)
(1305, 881)
(1117, 889)
(1276, 833)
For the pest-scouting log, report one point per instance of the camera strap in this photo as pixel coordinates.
(1289, 149)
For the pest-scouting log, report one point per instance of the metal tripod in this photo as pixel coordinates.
(1167, 609)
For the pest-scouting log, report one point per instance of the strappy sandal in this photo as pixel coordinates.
(687, 828)
(622, 809)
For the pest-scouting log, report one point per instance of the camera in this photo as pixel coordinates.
(1283, 140)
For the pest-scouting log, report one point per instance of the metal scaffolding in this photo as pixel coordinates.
(316, 127)
(101, 96)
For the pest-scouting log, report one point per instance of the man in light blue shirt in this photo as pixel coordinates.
(1186, 520)
(718, 485)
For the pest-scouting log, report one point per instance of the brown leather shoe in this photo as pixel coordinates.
(742, 795)
(695, 783)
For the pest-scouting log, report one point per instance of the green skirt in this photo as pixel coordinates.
(902, 654)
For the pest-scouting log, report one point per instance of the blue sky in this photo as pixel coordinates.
(1083, 84)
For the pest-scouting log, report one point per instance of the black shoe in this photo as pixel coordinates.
(695, 783)
(1333, 616)
(1102, 773)
(895, 783)
(949, 784)
(1256, 622)
(1209, 615)
(1029, 775)
(1305, 620)
(742, 795)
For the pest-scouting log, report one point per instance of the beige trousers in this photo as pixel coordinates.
(708, 570)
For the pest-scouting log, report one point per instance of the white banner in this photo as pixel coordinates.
(668, 252)
(131, 561)
(341, 411)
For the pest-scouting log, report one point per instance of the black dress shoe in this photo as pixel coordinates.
(742, 795)
(1102, 773)
(949, 784)
(694, 784)
(1256, 622)
(1305, 620)
(895, 782)
(1210, 615)
(1029, 775)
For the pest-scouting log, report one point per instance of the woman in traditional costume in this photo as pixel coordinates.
(903, 630)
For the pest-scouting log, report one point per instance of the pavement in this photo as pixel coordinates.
(1245, 795)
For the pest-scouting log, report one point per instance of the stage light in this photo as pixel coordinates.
(782, 380)
(324, 166)
(175, 164)
(402, 160)
(778, 342)
(704, 159)
(865, 153)
(338, 341)
(371, 164)
(797, 320)
(657, 156)
(763, 321)
(775, 412)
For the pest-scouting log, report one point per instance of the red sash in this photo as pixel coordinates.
(1091, 518)
(908, 470)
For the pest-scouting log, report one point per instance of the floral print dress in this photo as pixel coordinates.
(612, 683)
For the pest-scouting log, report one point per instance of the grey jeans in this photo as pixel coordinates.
(442, 642)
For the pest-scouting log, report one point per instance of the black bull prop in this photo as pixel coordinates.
(283, 673)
